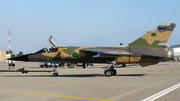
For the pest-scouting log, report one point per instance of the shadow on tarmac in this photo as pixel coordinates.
(98, 75)
(73, 75)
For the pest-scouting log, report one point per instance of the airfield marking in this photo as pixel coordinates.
(162, 93)
(56, 96)
(161, 71)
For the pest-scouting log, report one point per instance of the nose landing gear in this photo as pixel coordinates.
(55, 72)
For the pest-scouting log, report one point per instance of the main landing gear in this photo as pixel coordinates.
(110, 71)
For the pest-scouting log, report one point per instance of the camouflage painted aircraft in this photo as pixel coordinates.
(146, 50)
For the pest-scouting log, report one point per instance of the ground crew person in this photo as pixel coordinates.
(9, 63)
(13, 64)
(178, 59)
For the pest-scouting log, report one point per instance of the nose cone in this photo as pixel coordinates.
(20, 58)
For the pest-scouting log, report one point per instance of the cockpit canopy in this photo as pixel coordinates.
(42, 50)
(52, 41)
(46, 50)
(54, 45)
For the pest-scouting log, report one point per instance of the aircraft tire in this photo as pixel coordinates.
(108, 73)
(114, 72)
(123, 65)
(55, 74)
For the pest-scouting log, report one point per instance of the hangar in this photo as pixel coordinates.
(4, 56)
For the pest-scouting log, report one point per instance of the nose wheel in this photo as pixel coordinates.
(55, 72)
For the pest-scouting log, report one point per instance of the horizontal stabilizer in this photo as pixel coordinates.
(148, 63)
(175, 46)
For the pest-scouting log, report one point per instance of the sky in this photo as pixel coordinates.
(82, 22)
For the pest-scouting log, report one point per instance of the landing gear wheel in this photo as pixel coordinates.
(114, 72)
(123, 65)
(108, 73)
(55, 74)
(84, 65)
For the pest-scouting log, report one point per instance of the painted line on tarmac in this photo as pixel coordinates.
(73, 97)
(161, 71)
(162, 93)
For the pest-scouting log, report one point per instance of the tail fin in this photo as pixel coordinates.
(158, 35)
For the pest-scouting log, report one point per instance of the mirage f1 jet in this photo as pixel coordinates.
(146, 50)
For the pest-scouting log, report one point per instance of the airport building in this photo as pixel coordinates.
(4, 56)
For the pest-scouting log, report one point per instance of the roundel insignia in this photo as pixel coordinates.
(75, 55)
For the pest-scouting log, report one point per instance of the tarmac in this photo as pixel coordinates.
(159, 82)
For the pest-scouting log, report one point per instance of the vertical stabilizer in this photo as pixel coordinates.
(158, 35)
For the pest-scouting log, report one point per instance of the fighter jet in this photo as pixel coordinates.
(146, 50)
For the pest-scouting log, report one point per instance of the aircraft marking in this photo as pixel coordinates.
(63, 48)
(161, 71)
(75, 55)
(162, 93)
(73, 97)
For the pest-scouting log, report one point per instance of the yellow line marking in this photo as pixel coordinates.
(155, 71)
(161, 71)
(56, 96)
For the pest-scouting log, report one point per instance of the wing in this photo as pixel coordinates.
(108, 52)
(174, 46)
